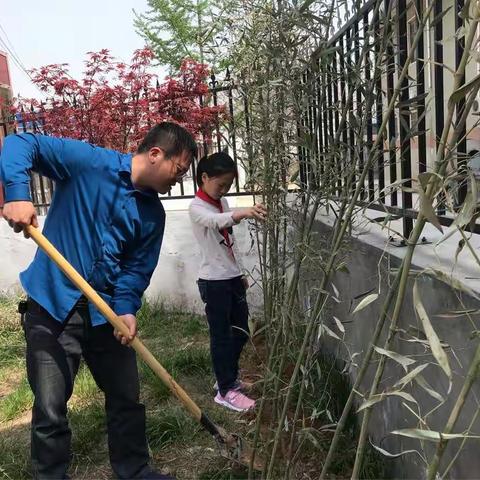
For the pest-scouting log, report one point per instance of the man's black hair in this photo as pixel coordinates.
(171, 137)
(215, 165)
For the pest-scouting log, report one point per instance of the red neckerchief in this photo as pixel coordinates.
(218, 204)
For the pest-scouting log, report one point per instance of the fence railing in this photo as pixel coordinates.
(411, 139)
(224, 138)
(412, 135)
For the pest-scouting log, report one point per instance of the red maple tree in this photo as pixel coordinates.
(115, 104)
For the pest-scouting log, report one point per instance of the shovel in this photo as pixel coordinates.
(231, 445)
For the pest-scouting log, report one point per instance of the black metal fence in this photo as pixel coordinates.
(412, 134)
(224, 137)
(411, 138)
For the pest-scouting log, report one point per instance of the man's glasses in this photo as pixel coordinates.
(182, 174)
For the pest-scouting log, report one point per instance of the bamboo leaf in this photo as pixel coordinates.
(423, 383)
(462, 92)
(406, 396)
(378, 398)
(366, 301)
(458, 313)
(330, 332)
(410, 376)
(447, 236)
(430, 435)
(453, 282)
(434, 341)
(426, 177)
(393, 455)
(401, 359)
(466, 212)
(339, 324)
(468, 208)
(426, 209)
(310, 434)
(363, 294)
(371, 401)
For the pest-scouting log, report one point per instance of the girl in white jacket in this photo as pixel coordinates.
(221, 282)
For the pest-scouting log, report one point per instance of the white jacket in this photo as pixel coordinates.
(219, 261)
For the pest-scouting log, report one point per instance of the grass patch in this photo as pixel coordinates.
(9, 317)
(180, 364)
(12, 341)
(17, 402)
(193, 360)
(181, 342)
(155, 319)
(156, 388)
(14, 457)
(194, 325)
(85, 387)
(169, 425)
(222, 474)
(87, 423)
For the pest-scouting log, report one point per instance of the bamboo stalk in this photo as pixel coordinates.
(455, 413)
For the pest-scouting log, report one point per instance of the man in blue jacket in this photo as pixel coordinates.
(107, 220)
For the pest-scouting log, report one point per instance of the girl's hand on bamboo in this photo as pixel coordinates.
(257, 212)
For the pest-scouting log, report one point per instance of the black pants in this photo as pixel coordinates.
(227, 314)
(53, 357)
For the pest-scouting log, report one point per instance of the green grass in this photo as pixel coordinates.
(12, 342)
(181, 343)
(157, 320)
(17, 402)
(87, 423)
(156, 388)
(193, 360)
(168, 425)
(14, 457)
(178, 339)
(85, 386)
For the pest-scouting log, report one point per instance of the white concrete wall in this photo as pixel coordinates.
(174, 279)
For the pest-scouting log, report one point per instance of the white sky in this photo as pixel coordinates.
(62, 31)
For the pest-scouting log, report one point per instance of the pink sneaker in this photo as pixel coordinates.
(235, 400)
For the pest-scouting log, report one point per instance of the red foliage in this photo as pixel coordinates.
(114, 104)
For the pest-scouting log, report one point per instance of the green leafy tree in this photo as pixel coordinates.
(178, 29)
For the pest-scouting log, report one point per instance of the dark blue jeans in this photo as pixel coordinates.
(54, 350)
(227, 314)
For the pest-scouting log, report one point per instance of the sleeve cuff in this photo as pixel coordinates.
(228, 220)
(20, 192)
(124, 307)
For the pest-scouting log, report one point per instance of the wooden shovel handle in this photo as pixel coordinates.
(110, 315)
